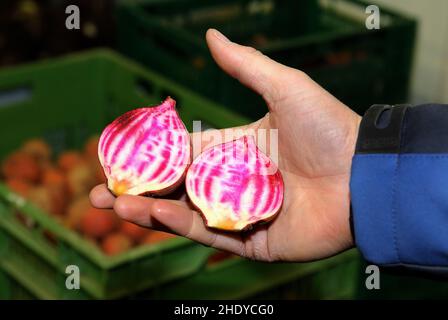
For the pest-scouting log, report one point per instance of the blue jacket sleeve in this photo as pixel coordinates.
(399, 187)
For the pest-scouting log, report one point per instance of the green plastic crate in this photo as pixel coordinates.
(339, 277)
(65, 101)
(10, 289)
(237, 278)
(359, 66)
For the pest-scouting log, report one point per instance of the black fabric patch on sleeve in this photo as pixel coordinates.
(404, 129)
(380, 130)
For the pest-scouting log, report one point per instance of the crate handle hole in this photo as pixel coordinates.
(145, 87)
(14, 96)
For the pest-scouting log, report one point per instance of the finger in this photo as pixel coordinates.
(135, 209)
(188, 223)
(101, 197)
(176, 217)
(253, 69)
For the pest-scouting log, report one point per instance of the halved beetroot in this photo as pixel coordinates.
(235, 185)
(145, 151)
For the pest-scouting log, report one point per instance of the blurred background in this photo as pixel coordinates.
(59, 87)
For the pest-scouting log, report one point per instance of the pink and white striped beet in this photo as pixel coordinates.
(145, 151)
(235, 185)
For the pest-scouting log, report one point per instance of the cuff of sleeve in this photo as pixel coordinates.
(399, 186)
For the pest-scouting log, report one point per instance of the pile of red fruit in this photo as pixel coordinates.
(60, 186)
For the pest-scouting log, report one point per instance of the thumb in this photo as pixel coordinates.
(265, 76)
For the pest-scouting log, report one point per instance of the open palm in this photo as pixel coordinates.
(317, 136)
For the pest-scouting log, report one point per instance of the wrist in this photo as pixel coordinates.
(356, 123)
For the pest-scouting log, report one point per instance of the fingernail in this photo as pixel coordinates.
(220, 36)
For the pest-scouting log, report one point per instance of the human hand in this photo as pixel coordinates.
(317, 136)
